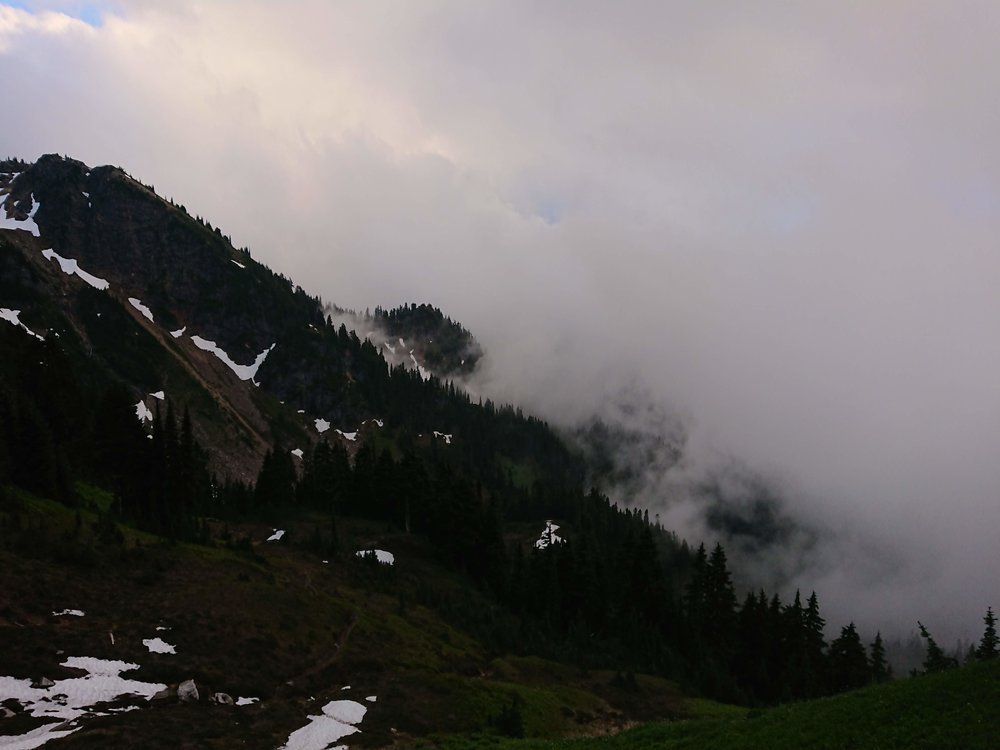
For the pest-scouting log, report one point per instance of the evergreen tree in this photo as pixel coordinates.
(849, 667)
(988, 646)
(878, 665)
(935, 660)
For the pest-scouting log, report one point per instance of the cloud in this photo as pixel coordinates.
(777, 223)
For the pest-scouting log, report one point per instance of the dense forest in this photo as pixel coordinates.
(617, 591)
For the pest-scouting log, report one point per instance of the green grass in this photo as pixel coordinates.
(957, 709)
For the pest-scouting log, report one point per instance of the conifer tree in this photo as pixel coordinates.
(936, 660)
(848, 663)
(988, 646)
(878, 665)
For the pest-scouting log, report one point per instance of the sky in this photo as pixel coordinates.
(769, 227)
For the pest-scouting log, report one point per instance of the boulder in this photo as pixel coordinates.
(224, 699)
(41, 683)
(170, 691)
(187, 691)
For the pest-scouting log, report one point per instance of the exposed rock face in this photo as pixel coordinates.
(187, 692)
(224, 699)
(41, 683)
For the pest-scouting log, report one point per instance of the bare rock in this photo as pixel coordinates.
(187, 691)
(41, 683)
(170, 691)
(224, 699)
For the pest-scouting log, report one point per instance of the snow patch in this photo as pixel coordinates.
(159, 395)
(322, 425)
(389, 346)
(27, 225)
(72, 699)
(73, 612)
(71, 267)
(386, 558)
(179, 332)
(236, 262)
(143, 413)
(243, 372)
(11, 316)
(246, 701)
(352, 436)
(297, 452)
(158, 646)
(371, 698)
(322, 731)
(443, 436)
(278, 533)
(420, 368)
(137, 304)
(548, 536)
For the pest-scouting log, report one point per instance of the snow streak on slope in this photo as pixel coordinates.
(137, 304)
(243, 372)
(70, 267)
(11, 316)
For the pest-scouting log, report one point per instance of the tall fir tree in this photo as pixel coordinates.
(988, 645)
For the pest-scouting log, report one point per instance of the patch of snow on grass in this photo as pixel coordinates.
(442, 436)
(236, 262)
(71, 267)
(159, 395)
(11, 316)
(548, 536)
(247, 701)
(278, 533)
(243, 372)
(371, 698)
(143, 413)
(352, 436)
(178, 333)
(71, 699)
(158, 646)
(386, 558)
(73, 612)
(297, 452)
(322, 425)
(137, 304)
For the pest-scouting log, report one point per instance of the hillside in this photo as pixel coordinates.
(955, 709)
(193, 453)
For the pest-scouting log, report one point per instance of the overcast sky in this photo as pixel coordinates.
(778, 220)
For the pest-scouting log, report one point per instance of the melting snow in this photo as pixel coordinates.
(70, 267)
(371, 698)
(278, 533)
(158, 646)
(73, 612)
(548, 536)
(386, 558)
(28, 225)
(246, 701)
(178, 333)
(159, 394)
(297, 452)
(243, 372)
(352, 436)
(336, 722)
(322, 425)
(237, 263)
(72, 699)
(143, 413)
(420, 368)
(137, 304)
(441, 435)
(11, 316)
(402, 343)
